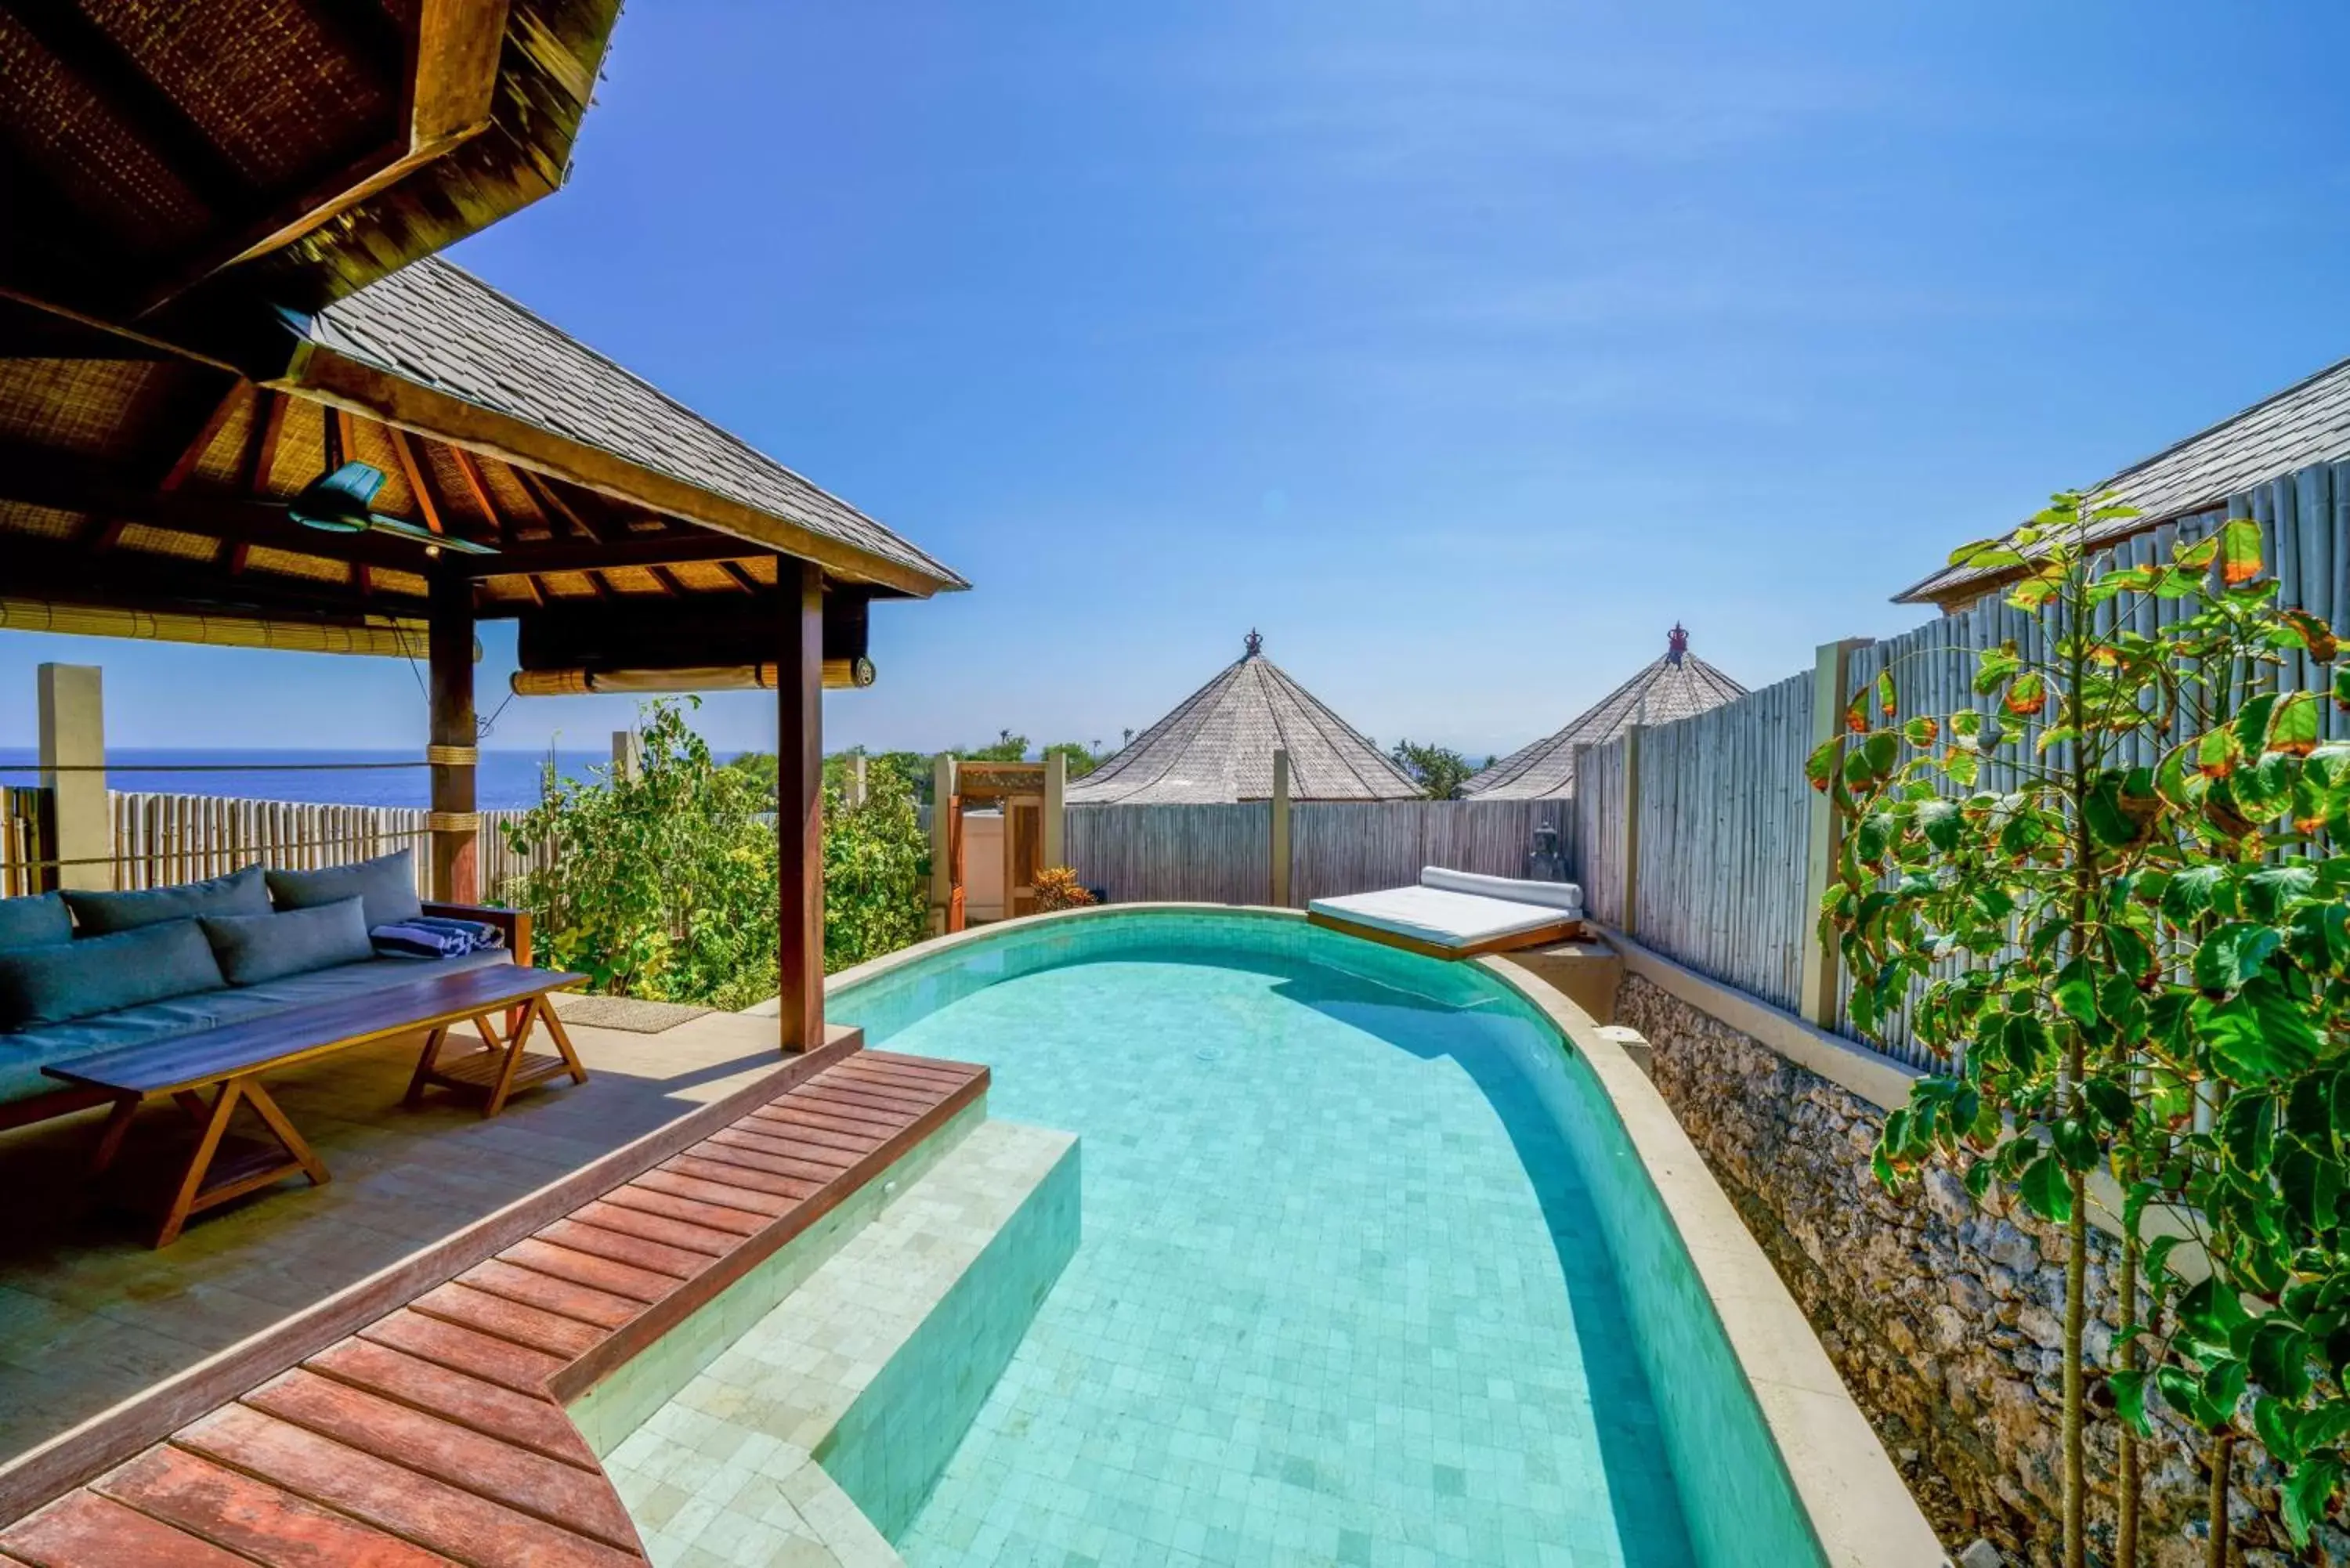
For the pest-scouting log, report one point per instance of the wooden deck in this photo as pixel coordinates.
(435, 1433)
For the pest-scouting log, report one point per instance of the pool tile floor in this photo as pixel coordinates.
(1342, 1296)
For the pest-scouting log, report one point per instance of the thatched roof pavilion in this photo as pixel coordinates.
(240, 404)
(1217, 746)
(1675, 687)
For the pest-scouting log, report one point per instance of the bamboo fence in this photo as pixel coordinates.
(1223, 854)
(1724, 832)
(160, 839)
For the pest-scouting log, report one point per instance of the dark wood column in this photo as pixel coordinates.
(799, 806)
(455, 824)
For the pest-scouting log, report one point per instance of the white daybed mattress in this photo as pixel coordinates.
(1455, 910)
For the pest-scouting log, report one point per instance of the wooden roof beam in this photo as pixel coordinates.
(38, 569)
(680, 548)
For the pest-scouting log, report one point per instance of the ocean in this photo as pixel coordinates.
(504, 779)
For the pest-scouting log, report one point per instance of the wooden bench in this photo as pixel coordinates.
(232, 1058)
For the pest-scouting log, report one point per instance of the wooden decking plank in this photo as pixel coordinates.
(530, 1421)
(391, 1496)
(83, 1530)
(565, 1298)
(854, 1110)
(586, 1269)
(925, 1091)
(517, 1477)
(718, 1194)
(657, 1227)
(954, 1074)
(785, 1189)
(528, 1326)
(753, 1152)
(824, 1162)
(625, 1247)
(271, 1526)
(820, 1127)
(466, 1350)
(890, 1099)
(714, 1217)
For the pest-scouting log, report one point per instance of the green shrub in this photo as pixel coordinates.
(663, 886)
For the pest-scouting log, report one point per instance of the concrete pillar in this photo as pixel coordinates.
(852, 792)
(1280, 837)
(455, 826)
(627, 754)
(799, 809)
(1056, 846)
(73, 736)
(943, 808)
(1819, 990)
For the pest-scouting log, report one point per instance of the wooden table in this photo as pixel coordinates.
(231, 1059)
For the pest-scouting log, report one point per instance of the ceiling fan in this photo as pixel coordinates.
(338, 503)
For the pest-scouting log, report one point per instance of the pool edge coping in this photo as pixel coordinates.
(1856, 1500)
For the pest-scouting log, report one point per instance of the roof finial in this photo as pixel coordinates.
(1676, 643)
(1256, 643)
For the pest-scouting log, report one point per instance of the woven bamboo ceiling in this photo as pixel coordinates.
(161, 158)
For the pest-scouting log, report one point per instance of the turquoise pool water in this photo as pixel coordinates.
(1368, 1276)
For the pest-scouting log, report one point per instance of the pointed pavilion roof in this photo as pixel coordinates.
(1675, 687)
(1216, 747)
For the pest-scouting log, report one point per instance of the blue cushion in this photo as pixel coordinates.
(29, 923)
(387, 885)
(64, 980)
(101, 914)
(256, 947)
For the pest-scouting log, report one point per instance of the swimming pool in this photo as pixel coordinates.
(1370, 1273)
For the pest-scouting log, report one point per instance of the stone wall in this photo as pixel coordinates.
(1945, 1318)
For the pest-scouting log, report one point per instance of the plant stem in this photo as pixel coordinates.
(2132, 1463)
(2223, 1455)
(2072, 623)
(2077, 1255)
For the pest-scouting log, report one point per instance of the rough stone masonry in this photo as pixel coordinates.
(1945, 1318)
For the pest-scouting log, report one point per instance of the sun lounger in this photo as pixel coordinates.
(1458, 914)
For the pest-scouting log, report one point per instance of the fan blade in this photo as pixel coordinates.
(407, 530)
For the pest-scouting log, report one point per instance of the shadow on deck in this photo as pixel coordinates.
(91, 1315)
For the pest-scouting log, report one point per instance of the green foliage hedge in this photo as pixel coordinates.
(663, 886)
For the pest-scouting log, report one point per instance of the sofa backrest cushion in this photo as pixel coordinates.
(103, 914)
(253, 949)
(29, 923)
(81, 979)
(387, 886)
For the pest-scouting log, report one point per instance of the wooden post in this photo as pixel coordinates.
(1281, 827)
(1632, 739)
(1819, 990)
(454, 823)
(627, 754)
(1055, 832)
(942, 803)
(73, 735)
(799, 809)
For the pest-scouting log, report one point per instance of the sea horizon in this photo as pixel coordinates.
(504, 779)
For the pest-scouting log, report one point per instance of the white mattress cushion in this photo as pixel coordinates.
(1556, 895)
(1439, 916)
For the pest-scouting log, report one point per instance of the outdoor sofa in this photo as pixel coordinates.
(1458, 914)
(84, 972)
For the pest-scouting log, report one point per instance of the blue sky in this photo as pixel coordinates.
(1459, 348)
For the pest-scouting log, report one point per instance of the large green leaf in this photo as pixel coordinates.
(2046, 1189)
(2292, 727)
(2190, 893)
(2232, 954)
(2208, 1314)
(2239, 550)
(2130, 1400)
(2279, 1358)
(2307, 1491)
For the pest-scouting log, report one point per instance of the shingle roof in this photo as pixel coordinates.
(1676, 686)
(1217, 746)
(434, 324)
(2307, 422)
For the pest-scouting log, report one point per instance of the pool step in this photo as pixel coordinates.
(822, 1426)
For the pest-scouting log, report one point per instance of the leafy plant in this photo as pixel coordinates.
(1439, 771)
(1057, 887)
(663, 885)
(2073, 898)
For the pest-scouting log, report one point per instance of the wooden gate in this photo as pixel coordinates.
(1019, 789)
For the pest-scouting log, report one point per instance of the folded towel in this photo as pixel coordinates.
(482, 933)
(412, 938)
